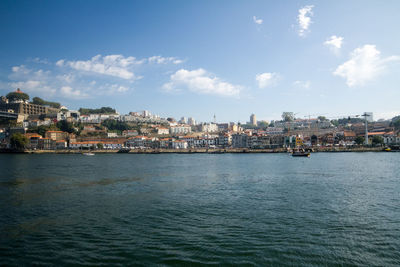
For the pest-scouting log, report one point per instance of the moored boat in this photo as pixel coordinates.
(300, 154)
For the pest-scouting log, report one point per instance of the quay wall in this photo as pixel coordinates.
(193, 150)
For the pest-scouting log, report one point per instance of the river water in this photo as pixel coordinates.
(191, 209)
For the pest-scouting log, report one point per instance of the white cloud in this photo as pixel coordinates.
(39, 60)
(365, 64)
(22, 69)
(267, 79)
(304, 19)
(119, 88)
(164, 60)
(111, 65)
(60, 62)
(302, 84)
(202, 82)
(69, 92)
(334, 42)
(33, 86)
(257, 21)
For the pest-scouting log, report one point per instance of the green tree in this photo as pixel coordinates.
(116, 125)
(396, 124)
(102, 110)
(66, 126)
(38, 101)
(18, 141)
(100, 146)
(377, 140)
(359, 140)
(322, 118)
(288, 116)
(17, 96)
(263, 124)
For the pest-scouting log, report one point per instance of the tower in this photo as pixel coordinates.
(253, 120)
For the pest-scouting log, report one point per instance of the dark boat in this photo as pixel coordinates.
(300, 153)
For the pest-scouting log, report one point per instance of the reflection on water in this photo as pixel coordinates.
(262, 209)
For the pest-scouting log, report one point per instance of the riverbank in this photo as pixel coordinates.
(192, 150)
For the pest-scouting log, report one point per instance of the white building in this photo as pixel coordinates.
(191, 121)
(209, 128)
(179, 144)
(183, 120)
(162, 130)
(111, 134)
(180, 129)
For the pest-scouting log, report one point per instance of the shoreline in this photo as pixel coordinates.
(192, 151)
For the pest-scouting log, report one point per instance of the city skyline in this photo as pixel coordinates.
(195, 60)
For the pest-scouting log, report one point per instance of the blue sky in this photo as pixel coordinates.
(197, 58)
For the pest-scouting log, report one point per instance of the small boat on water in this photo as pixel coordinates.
(300, 153)
(88, 154)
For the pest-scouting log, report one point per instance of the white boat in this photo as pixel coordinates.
(88, 154)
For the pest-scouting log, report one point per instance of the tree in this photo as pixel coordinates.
(377, 140)
(288, 116)
(263, 124)
(18, 141)
(396, 124)
(102, 110)
(322, 118)
(18, 95)
(38, 101)
(116, 125)
(100, 146)
(359, 140)
(66, 126)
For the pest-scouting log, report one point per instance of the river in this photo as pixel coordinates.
(193, 209)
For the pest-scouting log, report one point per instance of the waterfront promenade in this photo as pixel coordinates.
(195, 150)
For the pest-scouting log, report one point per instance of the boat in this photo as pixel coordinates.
(88, 154)
(300, 153)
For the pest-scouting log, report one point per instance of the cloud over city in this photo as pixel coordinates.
(202, 82)
(364, 65)
(80, 79)
(267, 79)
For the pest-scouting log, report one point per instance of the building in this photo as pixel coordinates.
(129, 133)
(180, 129)
(239, 140)
(46, 144)
(191, 121)
(183, 120)
(112, 134)
(162, 130)
(179, 144)
(209, 128)
(56, 135)
(253, 120)
(24, 107)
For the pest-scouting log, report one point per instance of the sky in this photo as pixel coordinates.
(200, 58)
